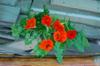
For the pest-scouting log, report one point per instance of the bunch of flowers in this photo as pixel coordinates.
(53, 34)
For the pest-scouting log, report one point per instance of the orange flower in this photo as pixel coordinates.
(60, 36)
(71, 34)
(58, 26)
(46, 45)
(31, 23)
(46, 20)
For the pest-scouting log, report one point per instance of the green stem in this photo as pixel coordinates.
(68, 28)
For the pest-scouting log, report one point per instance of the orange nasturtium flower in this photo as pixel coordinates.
(30, 23)
(58, 26)
(46, 45)
(60, 36)
(46, 20)
(71, 34)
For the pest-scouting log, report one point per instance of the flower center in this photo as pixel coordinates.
(47, 46)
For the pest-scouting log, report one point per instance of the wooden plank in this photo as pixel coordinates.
(84, 61)
(5, 30)
(6, 36)
(9, 48)
(8, 2)
(4, 41)
(90, 5)
(6, 55)
(5, 24)
(8, 13)
(21, 45)
(76, 15)
(24, 5)
(90, 31)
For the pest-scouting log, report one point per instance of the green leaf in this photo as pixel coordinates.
(59, 51)
(84, 40)
(23, 22)
(29, 38)
(67, 24)
(69, 43)
(54, 18)
(79, 47)
(16, 30)
(78, 43)
(46, 11)
(31, 14)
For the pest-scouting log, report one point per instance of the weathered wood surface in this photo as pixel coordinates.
(90, 31)
(8, 13)
(5, 24)
(7, 36)
(89, 5)
(20, 48)
(51, 61)
(4, 41)
(76, 15)
(8, 2)
(5, 30)
(24, 5)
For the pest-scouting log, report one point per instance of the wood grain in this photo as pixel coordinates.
(5, 24)
(24, 5)
(8, 13)
(90, 31)
(7, 36)
(8, 2)
(86, 61)
(4, 41)
(75, 14)
(89, 5)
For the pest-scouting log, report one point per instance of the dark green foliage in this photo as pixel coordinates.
(59, 49)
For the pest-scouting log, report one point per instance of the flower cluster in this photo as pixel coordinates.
(53, 33)
(60, 34)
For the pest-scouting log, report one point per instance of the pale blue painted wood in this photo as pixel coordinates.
(5, 24)
(76, 15)
(8, 2)
(24, 5)
(8, 13)
(6, 36)
(90, 31)
(89, 5)
(19, 45)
